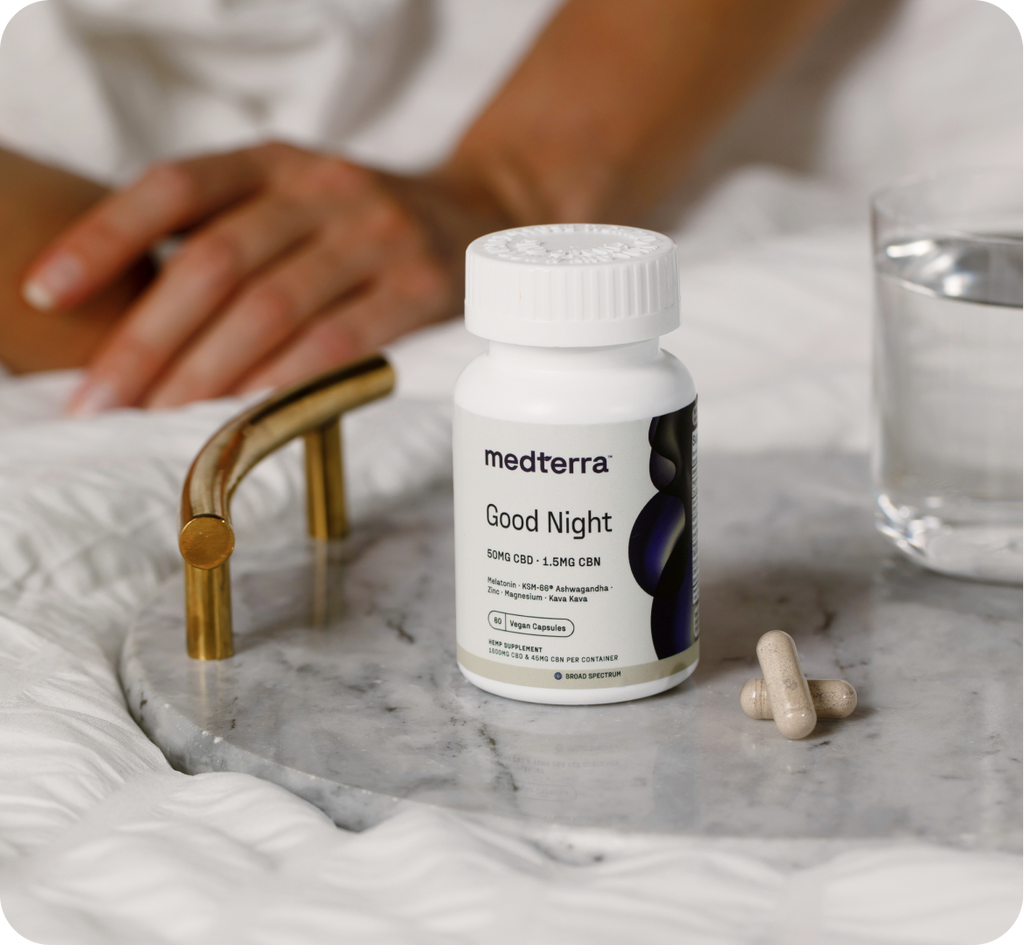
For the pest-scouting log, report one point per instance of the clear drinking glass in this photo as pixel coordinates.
(948, 366)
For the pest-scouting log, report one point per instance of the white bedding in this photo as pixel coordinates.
(101, 842)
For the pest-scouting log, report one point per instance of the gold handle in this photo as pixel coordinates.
(311, 409)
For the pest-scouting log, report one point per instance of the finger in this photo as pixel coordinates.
(195, 283)
(263, 317)
(122, 227)
(413, 295)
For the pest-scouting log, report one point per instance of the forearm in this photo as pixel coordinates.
(615, 99)
(36, 203)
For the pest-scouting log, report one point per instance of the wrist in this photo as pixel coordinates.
(501, 188)
(452, 212)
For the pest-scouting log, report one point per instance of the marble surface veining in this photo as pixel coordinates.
(344, 687)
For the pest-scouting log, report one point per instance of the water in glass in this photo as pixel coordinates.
(948, 370)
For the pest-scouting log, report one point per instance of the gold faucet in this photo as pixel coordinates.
(312, 410)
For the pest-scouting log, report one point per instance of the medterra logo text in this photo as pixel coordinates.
(535, 461)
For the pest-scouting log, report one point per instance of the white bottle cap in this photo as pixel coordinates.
(572, 285)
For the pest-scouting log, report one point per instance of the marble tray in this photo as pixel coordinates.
(344, 687)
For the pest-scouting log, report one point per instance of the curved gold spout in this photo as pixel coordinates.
(310, 409)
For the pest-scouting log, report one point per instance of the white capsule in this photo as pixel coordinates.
(788, 694)
(832, 698)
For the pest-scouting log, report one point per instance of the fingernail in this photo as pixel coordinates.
(60, 275)
(93, 397)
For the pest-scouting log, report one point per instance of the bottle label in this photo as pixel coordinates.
(576, 550)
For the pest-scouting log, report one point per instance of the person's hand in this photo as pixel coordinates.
(294, 262)
(291, 263)
(37, 203)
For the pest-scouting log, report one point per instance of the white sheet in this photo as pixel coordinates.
(100, 841)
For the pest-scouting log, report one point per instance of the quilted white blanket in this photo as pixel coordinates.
(102, 842)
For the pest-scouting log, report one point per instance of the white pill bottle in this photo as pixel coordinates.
(575, 464)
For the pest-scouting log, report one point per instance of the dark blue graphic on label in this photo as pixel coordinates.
(661, 543)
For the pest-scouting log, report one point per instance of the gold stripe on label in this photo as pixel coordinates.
(577, 675)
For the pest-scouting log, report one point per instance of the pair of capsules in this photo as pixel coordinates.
(785, 694)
